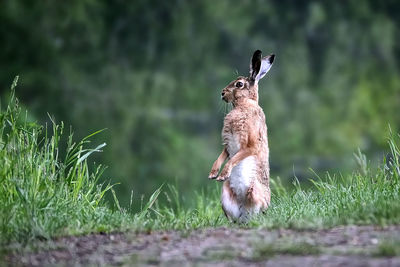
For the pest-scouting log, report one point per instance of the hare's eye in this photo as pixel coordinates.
(239, 84)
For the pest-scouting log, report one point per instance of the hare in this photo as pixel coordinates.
(246, 173)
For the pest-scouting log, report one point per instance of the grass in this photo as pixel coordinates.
(362, 198)
(265, 251)
(43, 195)
(388, 248)
(365, 197)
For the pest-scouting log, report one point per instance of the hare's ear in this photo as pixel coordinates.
(260, 66)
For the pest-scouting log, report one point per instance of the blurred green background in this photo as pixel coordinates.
(151, 72)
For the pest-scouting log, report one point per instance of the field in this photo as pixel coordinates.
(53, 211)
(338, 246)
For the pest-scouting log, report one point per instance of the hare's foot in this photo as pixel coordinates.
(258, 197)
(221, 179)
(226, 172)
(213, 174)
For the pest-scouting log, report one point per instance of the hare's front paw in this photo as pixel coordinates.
(213, 174)
(226, 172)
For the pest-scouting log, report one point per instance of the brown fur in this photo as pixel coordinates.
(245, 127)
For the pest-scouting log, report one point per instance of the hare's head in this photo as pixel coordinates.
(247, 87)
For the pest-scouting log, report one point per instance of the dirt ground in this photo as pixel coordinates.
(341, 246)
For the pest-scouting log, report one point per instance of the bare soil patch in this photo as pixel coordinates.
(340, 246)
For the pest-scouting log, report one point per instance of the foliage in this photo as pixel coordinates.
(151, 73)
(44, 195)
(365, 197)
(41, 194)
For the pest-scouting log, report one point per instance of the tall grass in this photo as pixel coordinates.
(364, 197)
(42, 194)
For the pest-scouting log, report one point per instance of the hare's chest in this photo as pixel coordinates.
(230, 137)
(235, 126)
(232, 142)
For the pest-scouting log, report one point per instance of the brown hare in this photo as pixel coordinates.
(246, 173)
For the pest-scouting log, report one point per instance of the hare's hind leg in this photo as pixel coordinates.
(229, 202)
(258, 198)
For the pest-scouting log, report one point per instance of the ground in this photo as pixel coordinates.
(340, 246)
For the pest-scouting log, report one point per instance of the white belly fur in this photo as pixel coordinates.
(242, 176)
(244, 172)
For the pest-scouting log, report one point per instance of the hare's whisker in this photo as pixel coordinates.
(220, 107)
